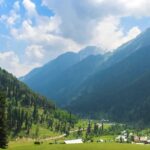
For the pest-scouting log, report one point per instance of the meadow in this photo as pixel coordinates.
(44, 135)
(90, 146)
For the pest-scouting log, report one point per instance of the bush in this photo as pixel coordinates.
(37, 142)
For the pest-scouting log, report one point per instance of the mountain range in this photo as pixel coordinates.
(65, 73)
(115, 85)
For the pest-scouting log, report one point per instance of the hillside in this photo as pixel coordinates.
(106, 85)
(121, 90)
(50, 71)
(27, 110)
(64, 74)
(70, 80)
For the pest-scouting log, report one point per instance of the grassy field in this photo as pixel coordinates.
(27, 144)
(93, 146)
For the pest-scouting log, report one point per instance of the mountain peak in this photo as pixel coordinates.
(90, 50)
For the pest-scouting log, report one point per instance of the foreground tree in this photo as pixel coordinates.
(3, 122)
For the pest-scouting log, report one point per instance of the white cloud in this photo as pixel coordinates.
(75, 24)
(137, 8)
(30, 7)
(36, 33)
(16, 6)
(13, 16)
(80, 20)
(46, 34)
(35, 52)
(133, 32)
(11, 62)
(109, 35)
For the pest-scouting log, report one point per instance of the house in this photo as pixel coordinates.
(148, 141)
(143, 139)
(99, 125)
(76, 141)
(121, 138)
(136, 139)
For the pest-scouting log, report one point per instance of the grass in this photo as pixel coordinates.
(43, 132)
(93, 146)
(27, 144)
(84, 123)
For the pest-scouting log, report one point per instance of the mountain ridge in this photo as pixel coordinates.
(104, 85)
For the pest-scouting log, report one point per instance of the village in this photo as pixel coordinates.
(91, 131)
(124, 137)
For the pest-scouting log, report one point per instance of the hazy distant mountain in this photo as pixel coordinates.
(115, 84)
(70, 80)
(90, 50)
(38, 78)
(56, 77)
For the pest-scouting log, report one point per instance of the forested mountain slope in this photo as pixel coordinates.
(121, 91)
(25, 108)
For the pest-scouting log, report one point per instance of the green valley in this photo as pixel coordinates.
(74, 75)
(95, 146)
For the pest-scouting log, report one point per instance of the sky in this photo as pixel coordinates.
(33, 32)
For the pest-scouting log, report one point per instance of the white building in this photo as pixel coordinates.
(76, 141)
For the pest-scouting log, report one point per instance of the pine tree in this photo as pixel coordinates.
(3, 122)
(102, 126)
(79, 132)
(95, 128)
(35, 113)
(37, 131)
(88, 131)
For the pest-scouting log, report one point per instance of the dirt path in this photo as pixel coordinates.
(47, 138)
(58, 137)
(54, 138)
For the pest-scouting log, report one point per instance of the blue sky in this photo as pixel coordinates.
(33, 32)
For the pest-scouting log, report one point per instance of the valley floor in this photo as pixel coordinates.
(91, 146)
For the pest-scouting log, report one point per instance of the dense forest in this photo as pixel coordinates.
(24, 108)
